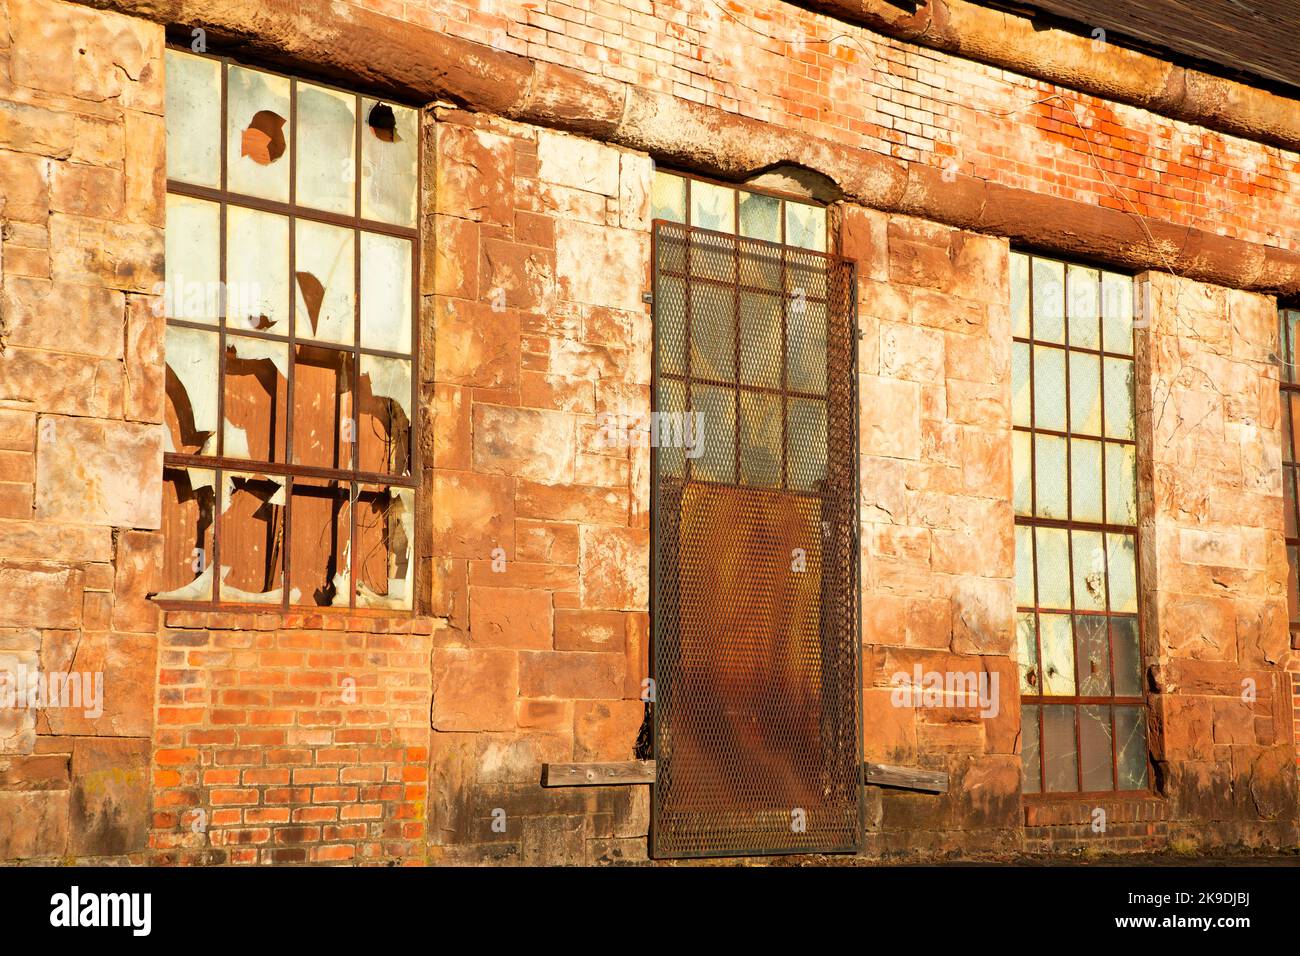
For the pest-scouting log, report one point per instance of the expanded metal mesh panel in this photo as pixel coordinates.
(754, 610)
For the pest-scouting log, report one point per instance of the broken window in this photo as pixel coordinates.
(290, 295)
(1290, 351)
(1074, 456)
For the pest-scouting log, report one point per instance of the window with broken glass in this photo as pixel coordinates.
(1290, 353)
(290, 297)
(1079, 646)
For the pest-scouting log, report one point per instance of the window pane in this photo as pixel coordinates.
(1060, 756)
(671, 407)
(1117, 310)
(327, 148)
(1024, 566)
(189, 496)
(324, 280)
(1049, 388)
(760, 217)
(324, 429)
(384, 415)
(1058, 653)
(257, 133)
(1030, 768)
(1020, 397)
(1119, 398)
(252, 538)
(1095, 754)
(1085, 393)
(1128, 657)
(321, 531)
(1131, 747)
(193, 119)
(257, 399)
(1020, 295)
(1027, 653)
(385, 293)
(1049, 300)
(1052, 551)
(389, 162)
(1085, 480)
(1121, 484)
(257, 270)
(1085, 313)
(713, 257)
(1092, 655)
(760, 439)
(717, 461)
(1021, 455)
(713, 207)
(1120, 560)
(385, 522)
(805, 226)
(1089, 570)
(670, 336)
(668, 197)
(760, 339)
(713, 331)
(806, 444)
(191, 410)
(806, 346)
(192, 248)
(1049, 476)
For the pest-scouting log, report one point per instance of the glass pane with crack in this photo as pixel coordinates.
(1092, 655)
(1060, 750)
(327, 149)
(384, 565)
(324, 427)
(324, 282)
(1057, 645)
(320, 558)
(191, 386)
(1131, 747)
(1095, 756)
(384, 415)
(1089, 567)
(193, 119)
(1128, 656)
(1030, 767)
(1027, 654)
(385, 293)
(257, 271)
(189, 497)
(256, 399)
(252, 538)
(257, 133)
(390, 141)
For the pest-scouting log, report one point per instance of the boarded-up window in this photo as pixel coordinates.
(291, 251)
(1074, 449)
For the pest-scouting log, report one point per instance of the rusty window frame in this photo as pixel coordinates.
(1289, 384)
(1070, 524)
(349, 480)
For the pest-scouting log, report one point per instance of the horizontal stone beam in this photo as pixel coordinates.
(359, 47)
(643, 772)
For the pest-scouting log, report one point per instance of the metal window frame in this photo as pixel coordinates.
(1069, 524)
(350, 480)
(1289, 386)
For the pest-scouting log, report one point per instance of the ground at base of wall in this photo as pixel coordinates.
(1215, 857)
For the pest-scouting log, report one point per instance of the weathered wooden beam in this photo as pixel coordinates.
(643, 771)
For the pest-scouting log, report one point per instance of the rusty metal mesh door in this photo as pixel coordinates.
(755, 548)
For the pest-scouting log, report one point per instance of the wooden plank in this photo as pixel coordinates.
(643, 771)
(905, 778)
(597, 774)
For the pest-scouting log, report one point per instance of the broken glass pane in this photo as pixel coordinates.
(1092, 653)
(192, 247)
(1027, 653)
(713, 207)
(327, 141)
(193, 119)
(805, 226)
(1058, 654)
(1128, 657)
(189, 496)
(384, 415)
(385, 293)
(1131, 747)
(385, 522)
(257, 133)
(192, 370)
(257, 398)
(319, 563)
(668, 197)
(760, 217)
(1089, 570)
(324, 429)
(324, 280)
(806, 444)
(760, 439)
(252, 538)
(1030, 768)
(1060, 755)
(257, 270)
(1095, 755)
(390, 157)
